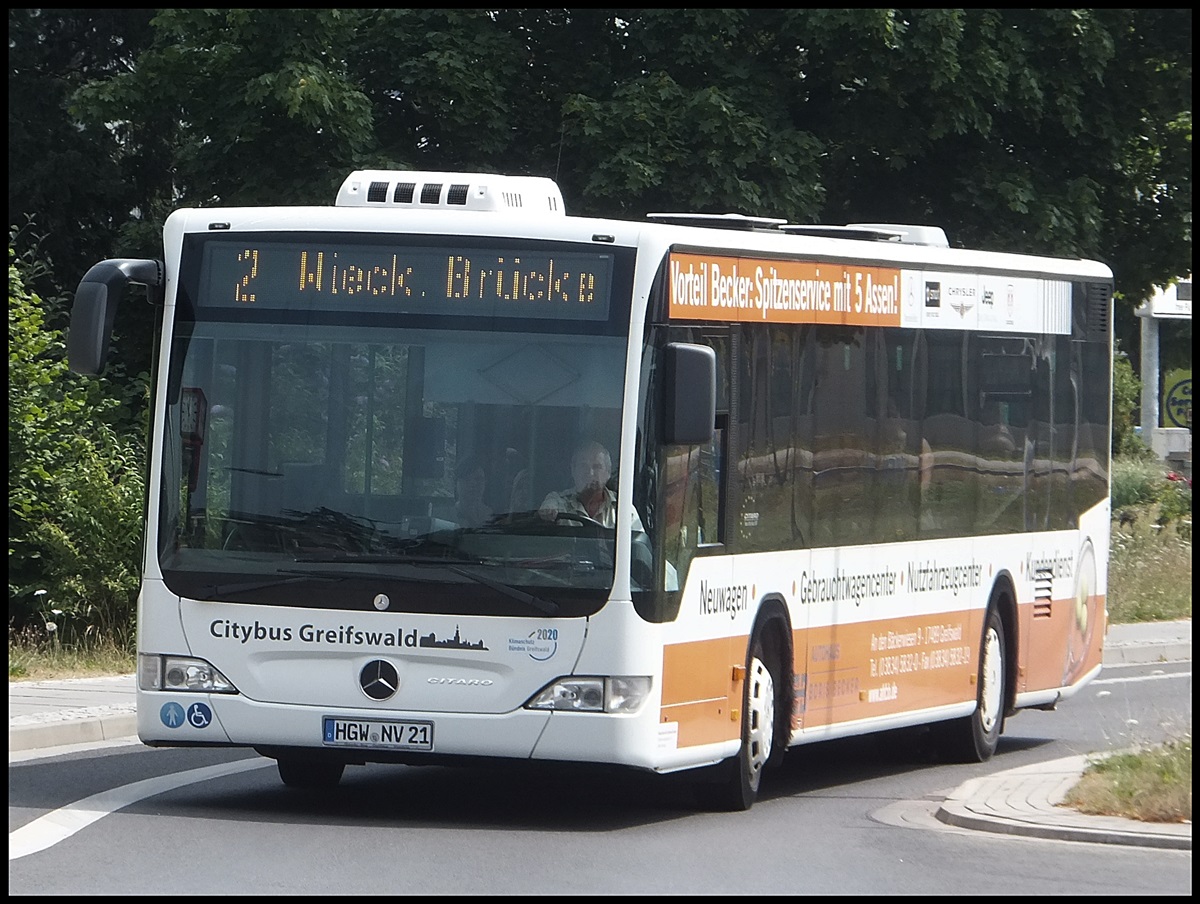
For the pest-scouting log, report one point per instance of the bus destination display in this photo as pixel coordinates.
(556, 285)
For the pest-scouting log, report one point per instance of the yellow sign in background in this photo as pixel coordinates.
(1177, 399)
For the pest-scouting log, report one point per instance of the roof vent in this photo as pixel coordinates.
(718, 220)
(934, 236)
(431, 193)
(865, 233)
(392, 190)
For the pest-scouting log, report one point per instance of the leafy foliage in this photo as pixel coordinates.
(76, 485)
(1127, 390)
(1141, 481)
(70, 183)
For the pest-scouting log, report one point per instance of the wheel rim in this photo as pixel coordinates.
(760, 706)
(990, 692)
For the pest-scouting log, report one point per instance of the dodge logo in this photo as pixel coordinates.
(379, 679)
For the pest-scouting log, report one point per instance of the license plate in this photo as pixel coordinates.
(381, 734)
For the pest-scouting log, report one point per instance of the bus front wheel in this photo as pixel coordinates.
(973, 738)
(733, 785)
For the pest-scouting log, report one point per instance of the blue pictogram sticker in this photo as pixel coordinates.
(171, 715)
(199, 716)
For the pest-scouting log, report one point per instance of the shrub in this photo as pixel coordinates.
(1144, 482)
(1127, 390)
(1137, 482)
(76, 484)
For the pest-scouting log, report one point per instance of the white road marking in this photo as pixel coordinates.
(59, 825)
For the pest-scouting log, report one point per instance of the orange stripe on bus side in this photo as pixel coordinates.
(866, 670)
(1060, 649)
(700, 692)
(871, 669)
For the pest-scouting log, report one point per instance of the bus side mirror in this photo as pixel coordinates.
(95, 309)
(689, 393)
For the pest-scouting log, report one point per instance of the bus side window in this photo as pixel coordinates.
(709, 510)
(694, 514)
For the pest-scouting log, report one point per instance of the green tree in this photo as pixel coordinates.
(1017, 130)
(76, 486)
(257, 106)
(71, 184)
(1064, 131)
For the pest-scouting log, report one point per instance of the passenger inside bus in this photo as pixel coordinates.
(470, 484)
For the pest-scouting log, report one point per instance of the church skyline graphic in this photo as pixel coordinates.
(453, 643)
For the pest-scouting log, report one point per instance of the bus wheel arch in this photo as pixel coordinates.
(773, 630)
(974, 738)
(765, 714)
(1004, 601)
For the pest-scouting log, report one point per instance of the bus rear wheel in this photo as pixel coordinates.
(298, 772)
(973, 738)
(733, 785)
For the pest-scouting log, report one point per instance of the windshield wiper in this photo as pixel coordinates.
(536, 602)
(301, 574)
(212, 590)
(547, 606)
(371, 558)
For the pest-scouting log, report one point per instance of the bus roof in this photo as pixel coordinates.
(530, 207)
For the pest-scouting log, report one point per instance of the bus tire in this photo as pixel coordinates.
(973, 738)
(298, 772)
(733, 785)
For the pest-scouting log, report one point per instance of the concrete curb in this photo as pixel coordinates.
(72, 726)
(1142, 653)
(1024, 801)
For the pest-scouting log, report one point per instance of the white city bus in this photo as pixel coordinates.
(861, 482)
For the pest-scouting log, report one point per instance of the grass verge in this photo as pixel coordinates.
(1150, 567)
(1152, 785)
(33, 658)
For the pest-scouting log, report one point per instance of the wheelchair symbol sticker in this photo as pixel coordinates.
(171, 715)
(199, 716)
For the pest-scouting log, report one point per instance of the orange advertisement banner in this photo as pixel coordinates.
(715, 287)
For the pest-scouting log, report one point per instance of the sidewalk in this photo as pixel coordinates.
(70, 711)
(1019, 801)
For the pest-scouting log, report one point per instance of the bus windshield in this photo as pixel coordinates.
(317, 450)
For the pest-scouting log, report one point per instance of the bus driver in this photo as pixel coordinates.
(591, 467)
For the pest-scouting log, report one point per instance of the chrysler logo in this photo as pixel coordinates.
(379, 679)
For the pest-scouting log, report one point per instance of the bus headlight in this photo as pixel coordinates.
(181, 673)
(612, 694)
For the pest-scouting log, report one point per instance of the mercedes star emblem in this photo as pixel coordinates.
(379, 679)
